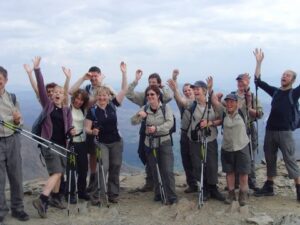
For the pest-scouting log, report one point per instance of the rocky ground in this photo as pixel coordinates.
(139, 208)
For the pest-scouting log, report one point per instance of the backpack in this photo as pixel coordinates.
(88, 89)
(163, 109)
(295, 120)
(37, 124)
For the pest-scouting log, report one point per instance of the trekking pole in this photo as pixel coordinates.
(72, 166)
(248, 126)
(41, 141)
(203, 154)
(100, 164)
(160, 183)
(256, 105)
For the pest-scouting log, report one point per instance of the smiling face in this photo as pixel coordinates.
(58, 96)
(152, 97)
(231, 105)
(288, 78)
(199, 92)
(95, 78)
(78, 101)
(103, 96)
(188, 92)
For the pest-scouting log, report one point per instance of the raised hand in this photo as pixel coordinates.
(36, 62)
(123, 67)
(138, 75)
(28, 69)
(259, 55)
(209, 82)
(87, 76)
(67, 72)
(175, 74)
(172, 84)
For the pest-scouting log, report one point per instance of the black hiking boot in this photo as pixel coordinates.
(266, 190)
(20, 215)
(190, 189)
(215, 193)
(41, 205)
(55, 201)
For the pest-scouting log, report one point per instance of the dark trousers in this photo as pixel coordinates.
(185, 151)
(143, 157)
(165, 160)
(81, 167)
(11, 164)
(211, 167)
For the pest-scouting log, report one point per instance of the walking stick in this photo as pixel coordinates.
(39, 140)
(100, 164)
(248, 126)
(160, 182)
(256, 105)
(73, 171)
(203, 154)
(205, 132)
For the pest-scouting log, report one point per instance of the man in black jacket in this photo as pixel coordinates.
(279, 127)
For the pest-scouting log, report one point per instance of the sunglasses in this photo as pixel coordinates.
(150, 94)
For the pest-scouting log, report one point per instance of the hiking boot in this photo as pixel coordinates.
(243, 198)
(73, 199)
(215, 193)
(20, 215)
(157, 198)
(41, 206)
(172, 201)
(95, 201)
(252, 185)
(55, 201)
(298, 191)
(190, 189)
(230, 197)
(113, 200)
(266, 190)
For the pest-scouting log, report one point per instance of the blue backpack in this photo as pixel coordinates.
(295, 120)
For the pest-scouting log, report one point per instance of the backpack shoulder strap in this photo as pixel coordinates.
(13, 98)
(88, 88)
(93, 111)
(291, 96)
(242, 115)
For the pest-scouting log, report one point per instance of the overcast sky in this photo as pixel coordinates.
(199, 37)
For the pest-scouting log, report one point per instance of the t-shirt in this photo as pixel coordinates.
(58, 129)
(106, 122)
(281, 111)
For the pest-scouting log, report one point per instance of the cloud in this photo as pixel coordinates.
(199, 37)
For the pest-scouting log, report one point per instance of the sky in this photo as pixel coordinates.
(199, 37)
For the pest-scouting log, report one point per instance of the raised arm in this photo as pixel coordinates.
(259, 56)
(68, 75)
(40, 81)
(79, 82)
(133, 96)
(29, 71)
(120, 96)
(180, 100)
(216, 103)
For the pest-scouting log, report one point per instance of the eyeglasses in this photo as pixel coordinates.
(150, 94)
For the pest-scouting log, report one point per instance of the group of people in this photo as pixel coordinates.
(90, 124)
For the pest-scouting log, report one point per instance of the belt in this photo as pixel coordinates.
(2, 138)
